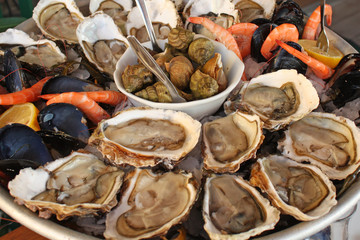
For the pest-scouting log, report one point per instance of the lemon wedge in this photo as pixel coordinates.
(25, 113)
(330, 58)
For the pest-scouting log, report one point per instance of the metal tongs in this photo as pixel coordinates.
(150, 63)
(323, 41)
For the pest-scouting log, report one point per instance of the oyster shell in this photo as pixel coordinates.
(325, 140)
(79, 184)
(43, 52)
(233, 209)
(253, 9)
(146, 137)
(150, 204)
(101, 41)
(231, 140)
(163, 15)
(58, 20)
(278, 98)
(300, 190)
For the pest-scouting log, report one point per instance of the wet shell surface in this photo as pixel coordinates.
(146, 137)
(151, 204)
(325, 140)
(58, 20)
(101, 41)
(279, 97)
(253, 9)
(233, 209)
(231, 140)
(300, 190)
(78, 184)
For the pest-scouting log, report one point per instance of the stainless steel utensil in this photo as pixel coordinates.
(323, 41)
(149, 27)
(149, 62)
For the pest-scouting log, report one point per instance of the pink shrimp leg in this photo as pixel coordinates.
(320, 69)
(30, 94)
(88, 106)
(243, 33)
(107, 97)
(221, 33)
(314, 20)
(284, 32)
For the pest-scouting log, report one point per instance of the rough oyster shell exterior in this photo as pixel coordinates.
(325, 140)
(119, 154)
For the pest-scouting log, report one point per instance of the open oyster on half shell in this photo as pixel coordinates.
(278, 98)
(78, 184)
(151, 204)
(233, 209)
(231, 140)
(146, 137)
(300, 190)
(325, 140)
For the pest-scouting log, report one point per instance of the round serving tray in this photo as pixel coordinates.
(301, 230)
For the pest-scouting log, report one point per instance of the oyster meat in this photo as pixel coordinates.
(300, 190)
(58, 20)
(278, 98)
(231, 140)
(146, 137)
(233, 209)
(325, 140)
(151, 204)
(78, 184)
(101, 41)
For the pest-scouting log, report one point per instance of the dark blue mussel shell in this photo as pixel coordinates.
(61, 84)
(9, 168)
(258, 39)
(18, 141)
(65, 118)
(288, 11)
(15, 78)
(284, 60)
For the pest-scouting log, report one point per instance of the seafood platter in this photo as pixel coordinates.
(105, 153)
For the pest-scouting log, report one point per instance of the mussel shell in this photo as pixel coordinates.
(18, 141)
(62, 84)
(65, 118)
(348, 88)
(11, 167)
(15, 78)
(260, 21)
(285, 60)
(289, 11)
(258, 39)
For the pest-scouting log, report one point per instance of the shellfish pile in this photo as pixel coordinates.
(273, 153)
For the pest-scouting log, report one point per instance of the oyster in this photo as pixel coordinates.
(231, 140)
(58, 20)
(253, 9)
(116, 9)
(222, 13)
(233, 209)
(146, 137)
(43, 52)
(150, 204)
(101, 41)
(300, 190)
(325, 140)
(79, 184)
(278, 98)
(163, 15)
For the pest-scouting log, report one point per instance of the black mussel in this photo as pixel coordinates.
(289, 11)
(65, 118)
(260, 21)
(258, 39)
(15, 79)
(9, 168)
(284, 60)
(60, 144)
(18, 141)
(62, 84)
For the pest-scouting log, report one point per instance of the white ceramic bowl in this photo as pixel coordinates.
(233, 68)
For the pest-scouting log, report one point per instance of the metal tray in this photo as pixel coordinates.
(301, 230)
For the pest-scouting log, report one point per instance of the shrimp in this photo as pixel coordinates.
(30, 94)
(314, 21)
(107, 97)
(221, 33)
(284, 32)
(320, 69)
(243, 33)
(88, 106)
